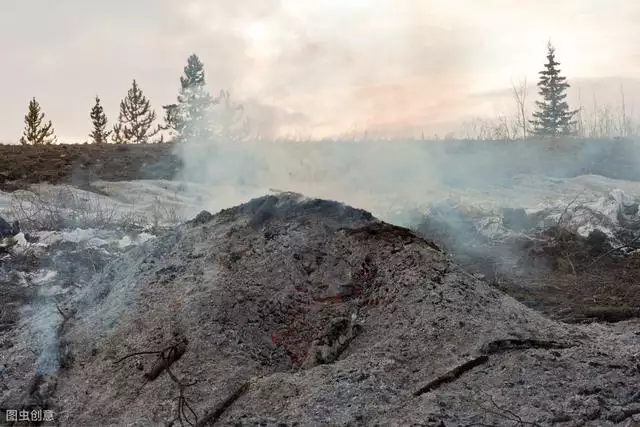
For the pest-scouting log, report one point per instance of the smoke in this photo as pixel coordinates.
(387, 177)
(43, 328)
(314, 68)
(396, 67)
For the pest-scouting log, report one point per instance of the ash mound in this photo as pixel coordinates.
(295, 311)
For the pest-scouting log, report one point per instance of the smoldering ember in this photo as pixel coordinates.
(405, 284)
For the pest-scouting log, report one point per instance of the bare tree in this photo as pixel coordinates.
(580, 120)
(624, 125)
(520, 91)
(486, 129)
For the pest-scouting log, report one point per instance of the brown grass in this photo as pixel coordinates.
(79, 164)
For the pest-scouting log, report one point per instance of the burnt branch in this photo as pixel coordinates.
(451, 375)
(499, 346)
(214, 415)
(166, 357)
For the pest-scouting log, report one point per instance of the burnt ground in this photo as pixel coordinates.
(289, 311)
(560, 274)
(564, 275)
(79, 164)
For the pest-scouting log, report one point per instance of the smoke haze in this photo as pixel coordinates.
(307, 69)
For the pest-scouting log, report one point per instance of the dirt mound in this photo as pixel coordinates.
(295, 311)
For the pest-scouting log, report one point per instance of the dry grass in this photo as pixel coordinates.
(79, 164)
(64, 208)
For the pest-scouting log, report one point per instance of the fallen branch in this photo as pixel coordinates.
(451, 375)
(166, 357)
(499, 346)
(214, 415)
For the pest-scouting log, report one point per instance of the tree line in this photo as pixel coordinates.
(197, 115)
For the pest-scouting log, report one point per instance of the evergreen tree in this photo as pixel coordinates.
(99, 134)
(553, 118)
(191, 116)
(135, 118)
(35, 132)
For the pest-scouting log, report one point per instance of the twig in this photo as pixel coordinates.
(167, 356)
(566, 209)
(504, 413)
(617, 248)
(182, 400)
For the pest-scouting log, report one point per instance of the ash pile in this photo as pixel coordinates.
(295, 311)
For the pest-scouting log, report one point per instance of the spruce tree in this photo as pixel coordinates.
(99, 134)
(191, 116)
(135, 118)
(35, 132)
(553, 117)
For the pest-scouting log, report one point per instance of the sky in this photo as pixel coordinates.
(305, 68)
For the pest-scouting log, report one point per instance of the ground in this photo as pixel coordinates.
(290, 311)
(79, 164)
(566, 276)
(570, 286)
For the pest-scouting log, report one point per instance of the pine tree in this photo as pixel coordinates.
(191, 116)
(99, 134)
(553, 118)
(35, 132)
(135, 118)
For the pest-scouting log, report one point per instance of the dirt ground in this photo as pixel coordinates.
(78, 164)
(566, 276)
(289, 311)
